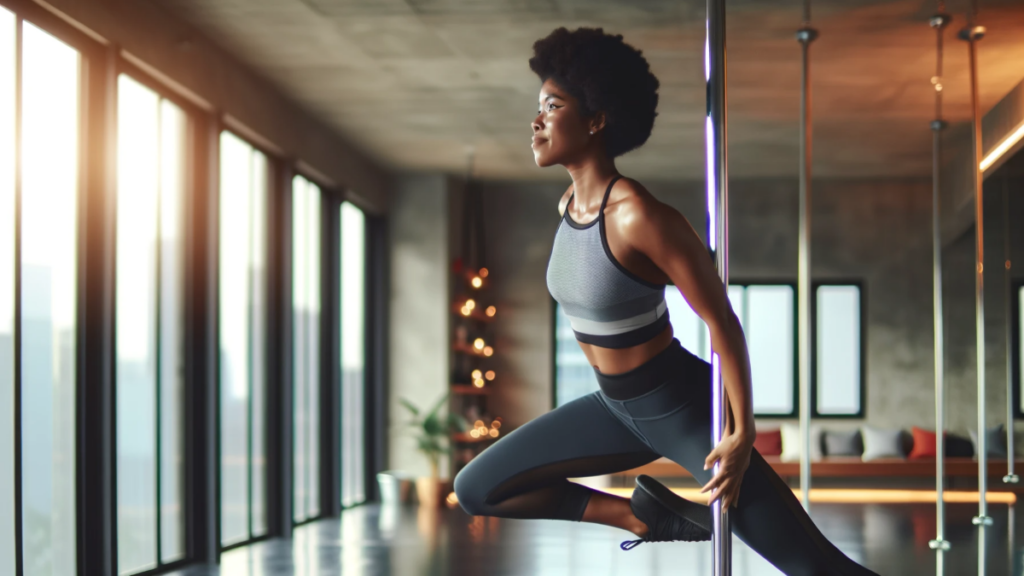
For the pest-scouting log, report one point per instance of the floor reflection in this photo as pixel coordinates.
(409, 541)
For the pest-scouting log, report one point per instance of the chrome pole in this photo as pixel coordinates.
(805, 35)
(972, 34)
(718, 240)
(940, 544)
(1011, 477)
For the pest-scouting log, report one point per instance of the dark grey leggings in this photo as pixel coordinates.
(662, 408)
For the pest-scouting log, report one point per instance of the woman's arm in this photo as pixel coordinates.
(664, 236)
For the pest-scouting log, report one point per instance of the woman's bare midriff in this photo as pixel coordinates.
(619, 360)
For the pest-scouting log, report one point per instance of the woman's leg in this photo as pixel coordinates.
(768, 517)
(523, 475)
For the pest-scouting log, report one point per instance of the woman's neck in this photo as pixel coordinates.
(589, 179)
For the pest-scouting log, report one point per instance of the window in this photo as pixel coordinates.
(242, 324)
(838, 378)
(150, 348)
(8, 87)
(767, 313)
(353, 354)
(49, 273)
(306, 347)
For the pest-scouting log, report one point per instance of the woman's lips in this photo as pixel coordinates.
(536, 141)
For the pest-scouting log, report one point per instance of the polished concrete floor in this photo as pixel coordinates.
(371, 540)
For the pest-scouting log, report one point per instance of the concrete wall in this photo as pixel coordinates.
(878, 232)
(419, 345)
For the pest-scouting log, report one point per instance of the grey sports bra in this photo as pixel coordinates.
(606, 304)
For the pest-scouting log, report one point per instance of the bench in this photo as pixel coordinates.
(849, 467)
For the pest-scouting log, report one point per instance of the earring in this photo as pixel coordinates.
(591, 131)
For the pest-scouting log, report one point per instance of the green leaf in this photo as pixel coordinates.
(412, 407)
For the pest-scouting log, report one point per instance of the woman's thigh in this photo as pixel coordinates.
(578, 439)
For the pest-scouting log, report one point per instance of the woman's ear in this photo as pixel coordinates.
(597, 122)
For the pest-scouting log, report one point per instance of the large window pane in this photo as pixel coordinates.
(306, 339)
(137, 217)
(172, 357)
(574, 376)
(243, 197)
(353, 354)
(769, 328)
(7, 114)
(838, 374)
(149, 327)
(49, 203)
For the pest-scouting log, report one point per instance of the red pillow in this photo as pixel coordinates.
(769, 442)
(924, 443)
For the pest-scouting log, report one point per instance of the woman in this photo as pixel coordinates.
(615, 250)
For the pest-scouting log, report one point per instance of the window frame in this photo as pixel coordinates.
(192, 114)
(859, 284)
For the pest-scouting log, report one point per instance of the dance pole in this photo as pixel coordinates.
(805, 35)
(971, 34)
(1011, 477)
(939, 21)
(718, 240)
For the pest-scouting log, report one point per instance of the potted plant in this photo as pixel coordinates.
(432, 433)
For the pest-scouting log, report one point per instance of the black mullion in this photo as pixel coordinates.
(369, 474)
(158, 381)
(19, 561)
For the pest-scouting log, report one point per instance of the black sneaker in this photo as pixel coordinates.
(669, 517)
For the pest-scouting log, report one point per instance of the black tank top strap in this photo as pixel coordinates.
(607, 193)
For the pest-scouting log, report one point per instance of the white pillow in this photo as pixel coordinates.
(791, 442)
(881, 443)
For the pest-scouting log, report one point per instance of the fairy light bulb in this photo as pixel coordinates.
(484, 272)
(470, 304)
(490, 375)
(493, 433)
(491, 311)
(488, 351)
(478, 383)
(474, 433)
(479, 344)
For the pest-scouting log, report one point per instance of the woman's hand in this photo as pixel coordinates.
(733, 452)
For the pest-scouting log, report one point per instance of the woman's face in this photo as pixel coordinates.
(560, 132)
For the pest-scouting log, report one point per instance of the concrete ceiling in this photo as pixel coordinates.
(415, 81)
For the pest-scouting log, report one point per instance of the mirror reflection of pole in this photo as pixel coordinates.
(1011, 477)
(939, 22)
(972, 34)
(718, 242)
(805, 35)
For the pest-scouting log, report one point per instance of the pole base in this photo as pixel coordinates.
(1011, 479)
(939, 545)
(982, 520)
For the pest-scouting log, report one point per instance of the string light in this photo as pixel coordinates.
(491, 311)
(471, 304)
(477, 282)
(494, 432)
(490, 375)
(476, 374)
(479, 345)
(488, 351)
(474, 433)
(478, 423)
(478, 383)
(484, 272)
(466, 311)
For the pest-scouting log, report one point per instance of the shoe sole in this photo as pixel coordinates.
(693, 512)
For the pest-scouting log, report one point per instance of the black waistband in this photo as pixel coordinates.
(671, 361)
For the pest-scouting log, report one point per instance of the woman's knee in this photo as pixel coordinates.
(470, 490)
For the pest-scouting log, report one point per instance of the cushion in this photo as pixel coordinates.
(845, 443)
(924, 443)
(769, 442)
(882, 443)
(995, 441)
(791, 442)
(959, 446)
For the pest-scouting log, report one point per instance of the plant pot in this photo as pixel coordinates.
(395, 487)
(431, 491)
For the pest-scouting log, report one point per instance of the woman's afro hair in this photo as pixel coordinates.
(605, 75)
